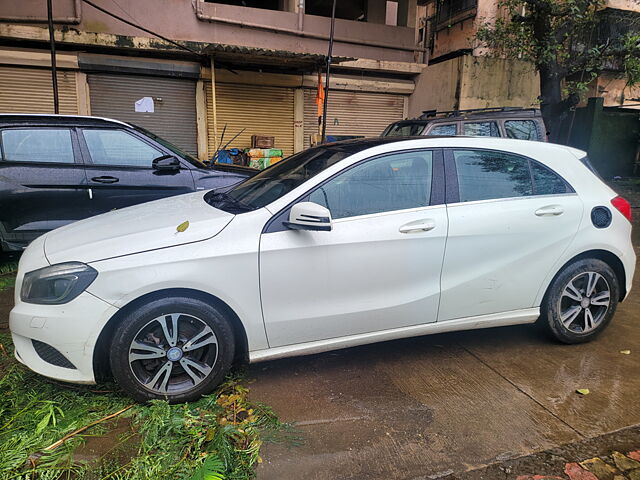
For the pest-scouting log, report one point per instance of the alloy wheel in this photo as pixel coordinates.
(584, 302)
(173, 353)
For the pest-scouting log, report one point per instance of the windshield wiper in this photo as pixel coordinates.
(226, 198)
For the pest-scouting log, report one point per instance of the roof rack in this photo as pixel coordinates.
(461, 113)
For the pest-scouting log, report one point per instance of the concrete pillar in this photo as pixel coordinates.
(376, 11)
(407, 13)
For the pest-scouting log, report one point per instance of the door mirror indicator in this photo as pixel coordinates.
(166, 163)
(309, 216)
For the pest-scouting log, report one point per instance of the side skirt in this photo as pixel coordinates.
(503, 319)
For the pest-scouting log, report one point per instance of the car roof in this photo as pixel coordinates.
(523, 147)
(24, 119)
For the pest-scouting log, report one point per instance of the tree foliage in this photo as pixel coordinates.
(570, 42)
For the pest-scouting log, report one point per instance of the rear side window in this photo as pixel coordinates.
(484, 175)
(449, 129)
(547, 182)
(481, 129)
(404, 130)
(385, 184)
(522, 129)
(116, 147)
(50, 145)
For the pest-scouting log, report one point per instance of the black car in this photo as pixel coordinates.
(57, 169)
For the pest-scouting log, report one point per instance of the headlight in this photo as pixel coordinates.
(57, 284)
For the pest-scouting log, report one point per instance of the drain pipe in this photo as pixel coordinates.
(200, 15)
(300, 15)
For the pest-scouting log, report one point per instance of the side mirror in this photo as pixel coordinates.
(309, 216)
(166, 163)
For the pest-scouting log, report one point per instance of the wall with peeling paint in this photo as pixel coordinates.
(475, 82)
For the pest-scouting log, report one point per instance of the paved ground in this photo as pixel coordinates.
(442, 405)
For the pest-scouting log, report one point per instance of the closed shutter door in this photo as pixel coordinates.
(29, 90)
(259, 110)
(353, 113)
(174, 102)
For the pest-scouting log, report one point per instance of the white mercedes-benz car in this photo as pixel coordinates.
(340, 245)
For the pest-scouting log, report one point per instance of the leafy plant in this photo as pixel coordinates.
(216, 438)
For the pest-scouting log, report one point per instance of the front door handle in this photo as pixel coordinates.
(105, 179)
(418, 226)
(549, 211)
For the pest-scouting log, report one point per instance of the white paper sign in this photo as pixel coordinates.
(144, 105)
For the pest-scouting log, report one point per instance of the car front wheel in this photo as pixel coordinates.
(581, 301)
(176, 349)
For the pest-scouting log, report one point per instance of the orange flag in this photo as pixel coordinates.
(320, 96)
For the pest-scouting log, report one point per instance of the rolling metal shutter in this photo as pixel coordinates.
(261, 110)
(29, 90)
(174, 116)
(353, 113)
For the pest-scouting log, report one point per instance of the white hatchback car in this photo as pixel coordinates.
(340, 245)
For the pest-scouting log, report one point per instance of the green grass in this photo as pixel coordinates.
(8, 269)
(217, 437)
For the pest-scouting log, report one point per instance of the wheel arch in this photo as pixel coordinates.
(101, 366)
(607, 257)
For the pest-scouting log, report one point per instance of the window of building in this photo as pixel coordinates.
(52, 145)
(115, 147)
(454, 11)
(481, 129)
(522, 129)
(484, 175)
(393, 182)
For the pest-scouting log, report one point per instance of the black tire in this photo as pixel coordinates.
(566, 298)
(193, 371)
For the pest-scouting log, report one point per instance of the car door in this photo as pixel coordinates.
(120, 172)
(379, 267)
(510, 219)
(42, 182)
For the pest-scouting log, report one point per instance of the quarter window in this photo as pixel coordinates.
(546, 181)
(393, 182)
(51, 145)
(522, 129)
(484, 175)
(116, 147)
(481, 129)
(449, 129)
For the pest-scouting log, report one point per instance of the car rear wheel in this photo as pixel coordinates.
(176, 349)
(581, 301)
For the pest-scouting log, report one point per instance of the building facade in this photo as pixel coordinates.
(217, 73)
(238, 70)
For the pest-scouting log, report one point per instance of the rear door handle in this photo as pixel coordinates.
(418, 226)
(105, 179)
(550, 211)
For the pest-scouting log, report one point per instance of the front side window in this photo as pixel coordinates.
(51, 145)
(393, 182)
(481, 129)
(448, 130)
(522, 129)
(484, 175)
(116, 147)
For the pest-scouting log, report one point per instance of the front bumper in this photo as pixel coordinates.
(72, 329)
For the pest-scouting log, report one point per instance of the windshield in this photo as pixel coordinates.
(277, 180)
(403, 129)
(181, 153)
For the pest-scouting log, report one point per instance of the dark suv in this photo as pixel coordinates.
(57, 169)
(507, 122)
